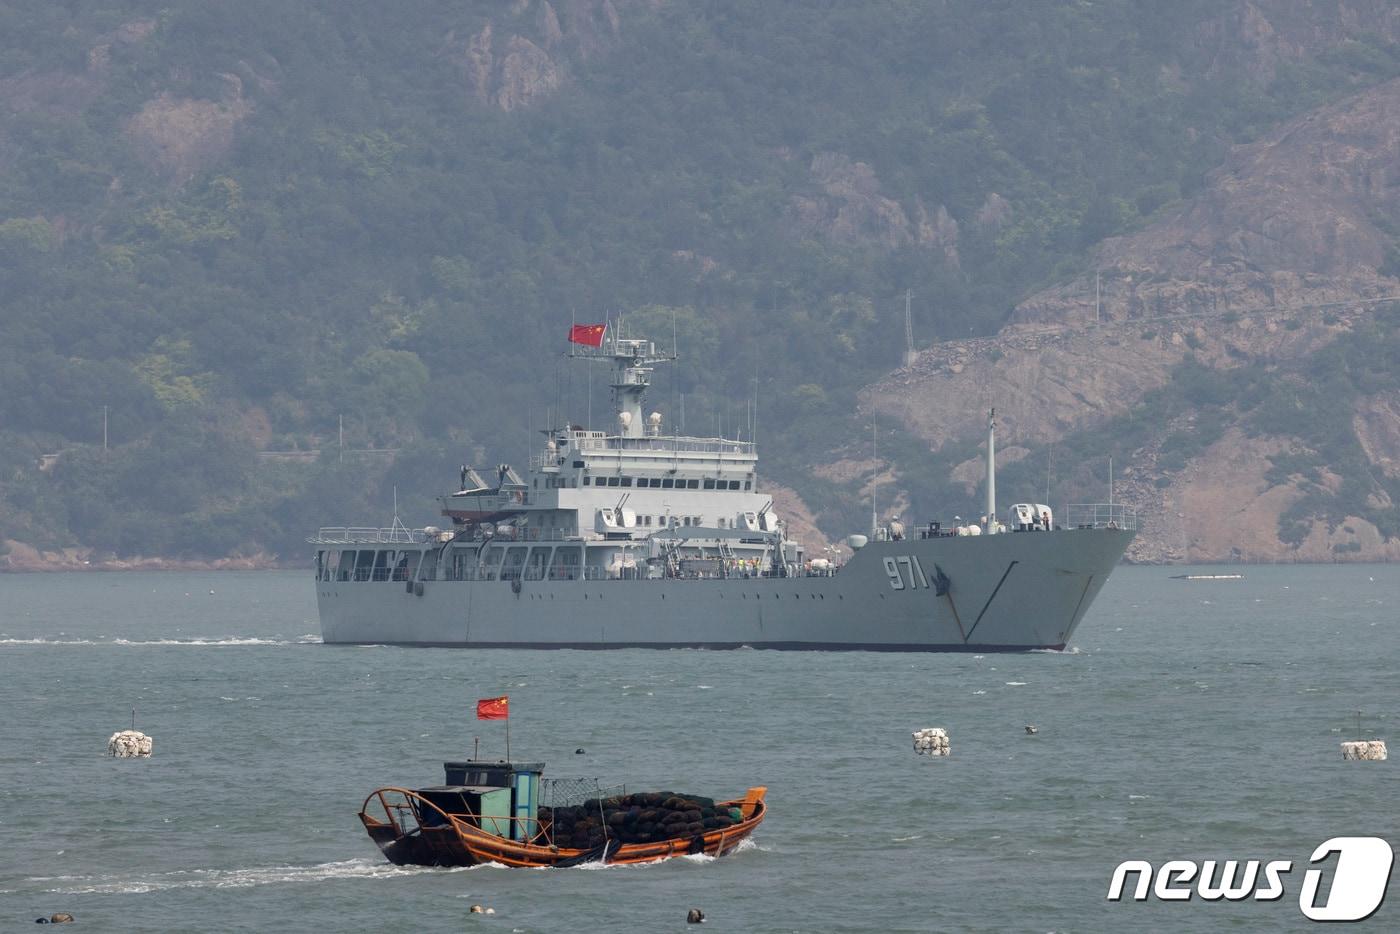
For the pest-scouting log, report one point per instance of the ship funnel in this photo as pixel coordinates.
(992, 471)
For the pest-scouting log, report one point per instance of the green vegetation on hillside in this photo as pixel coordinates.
(376, 244)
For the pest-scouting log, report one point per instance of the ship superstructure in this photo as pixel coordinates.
(633, 537)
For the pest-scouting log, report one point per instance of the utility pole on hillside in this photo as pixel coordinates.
(909, 353)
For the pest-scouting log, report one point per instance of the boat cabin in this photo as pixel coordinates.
(502, 798)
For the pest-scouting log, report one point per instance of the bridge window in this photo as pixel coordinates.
(709, 483)
(539, 560)
(748, 484)
(585, 481)
(492, 562)
(515, 560)
(566, 564)
(614, 481)
(626, 481)
(667, 483)
(692, 484)
(734, 484)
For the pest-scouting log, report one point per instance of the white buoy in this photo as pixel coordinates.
(129, 744)
(1365, 750)
(932, 741)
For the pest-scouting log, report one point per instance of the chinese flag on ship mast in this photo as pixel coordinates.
(590, 335)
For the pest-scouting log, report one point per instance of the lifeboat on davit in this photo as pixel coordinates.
(492, 812)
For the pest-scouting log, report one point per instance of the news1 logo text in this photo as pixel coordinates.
(1358, 880)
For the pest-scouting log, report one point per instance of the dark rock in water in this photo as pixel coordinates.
(694, 916)
(578, 751)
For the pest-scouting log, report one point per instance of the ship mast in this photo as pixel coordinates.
(992, 472)
(632, 362)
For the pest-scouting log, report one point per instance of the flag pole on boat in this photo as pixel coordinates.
(496, 708)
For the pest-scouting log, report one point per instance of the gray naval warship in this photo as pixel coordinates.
(637, 538)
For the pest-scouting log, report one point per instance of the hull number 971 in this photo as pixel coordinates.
(904, 572)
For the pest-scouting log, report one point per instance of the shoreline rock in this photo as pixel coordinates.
(20, 557)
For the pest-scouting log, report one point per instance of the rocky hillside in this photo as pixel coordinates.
(266, 266)
(1290, 248)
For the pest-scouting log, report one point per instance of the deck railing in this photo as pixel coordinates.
(349, 535)
(1100, 516)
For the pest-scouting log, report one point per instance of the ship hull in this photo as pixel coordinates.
(1010, 592)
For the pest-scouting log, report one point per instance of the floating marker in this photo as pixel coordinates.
(931, 741)
(129, 744)
(1365, 750)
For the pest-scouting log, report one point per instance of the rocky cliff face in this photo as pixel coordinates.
(1300, 218)
(528, 57)
(1291, 245)
(848, 207)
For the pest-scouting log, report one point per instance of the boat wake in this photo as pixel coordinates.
(743, 846)
(363, 868)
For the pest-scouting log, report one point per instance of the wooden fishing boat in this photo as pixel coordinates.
(490, 812)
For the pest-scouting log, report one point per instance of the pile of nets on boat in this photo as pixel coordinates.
(644, 817)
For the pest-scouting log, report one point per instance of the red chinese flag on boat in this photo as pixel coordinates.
(493, 708)
(590, 335)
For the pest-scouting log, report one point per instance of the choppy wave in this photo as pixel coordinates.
(142, 883)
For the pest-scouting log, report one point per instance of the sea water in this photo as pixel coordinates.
(1189, 720)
